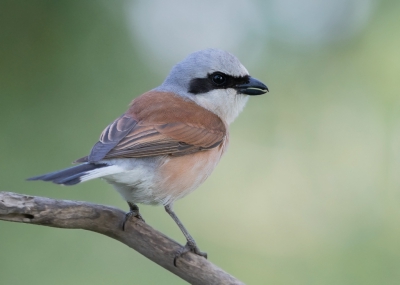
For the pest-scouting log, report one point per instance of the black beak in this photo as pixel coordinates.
(252, 87)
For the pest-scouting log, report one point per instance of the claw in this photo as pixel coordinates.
(192, 247)
(134, 212)
(128, 216)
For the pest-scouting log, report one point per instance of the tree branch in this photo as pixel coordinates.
(108, 221)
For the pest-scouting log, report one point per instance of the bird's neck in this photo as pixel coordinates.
(226, 105)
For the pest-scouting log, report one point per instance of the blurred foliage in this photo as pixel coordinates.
(307, 194)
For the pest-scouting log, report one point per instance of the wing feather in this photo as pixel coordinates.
(153, 132)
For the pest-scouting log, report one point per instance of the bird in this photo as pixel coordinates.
(171, 138)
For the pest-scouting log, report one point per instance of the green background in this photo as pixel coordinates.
(308, 192)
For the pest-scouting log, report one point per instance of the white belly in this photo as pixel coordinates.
(161, 181)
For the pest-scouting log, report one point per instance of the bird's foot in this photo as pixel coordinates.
(134, 212)
(192, 247)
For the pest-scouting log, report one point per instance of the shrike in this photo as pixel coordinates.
(171, 138)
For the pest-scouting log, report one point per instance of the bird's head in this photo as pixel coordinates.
(214, 79)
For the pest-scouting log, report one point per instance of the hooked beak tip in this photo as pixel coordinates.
(253, 87)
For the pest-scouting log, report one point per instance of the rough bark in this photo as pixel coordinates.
(108, 221)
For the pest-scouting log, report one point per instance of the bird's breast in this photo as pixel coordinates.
(163, 180)
(178, 176)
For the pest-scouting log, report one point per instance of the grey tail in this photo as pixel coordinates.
(69, 176)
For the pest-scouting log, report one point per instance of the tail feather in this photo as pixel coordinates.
(69, 176)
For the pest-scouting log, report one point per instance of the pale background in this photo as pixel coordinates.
(308, 192)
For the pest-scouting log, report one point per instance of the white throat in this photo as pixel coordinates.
(225, 103)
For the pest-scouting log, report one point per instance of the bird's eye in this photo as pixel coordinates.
(218, 78)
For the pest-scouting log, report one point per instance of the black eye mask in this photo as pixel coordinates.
(216, 80)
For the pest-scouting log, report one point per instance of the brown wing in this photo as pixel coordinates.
(147, 129)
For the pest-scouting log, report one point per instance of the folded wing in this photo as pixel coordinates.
(159, 124)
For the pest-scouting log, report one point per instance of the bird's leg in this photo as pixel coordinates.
(133, 212)
(191, 244)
